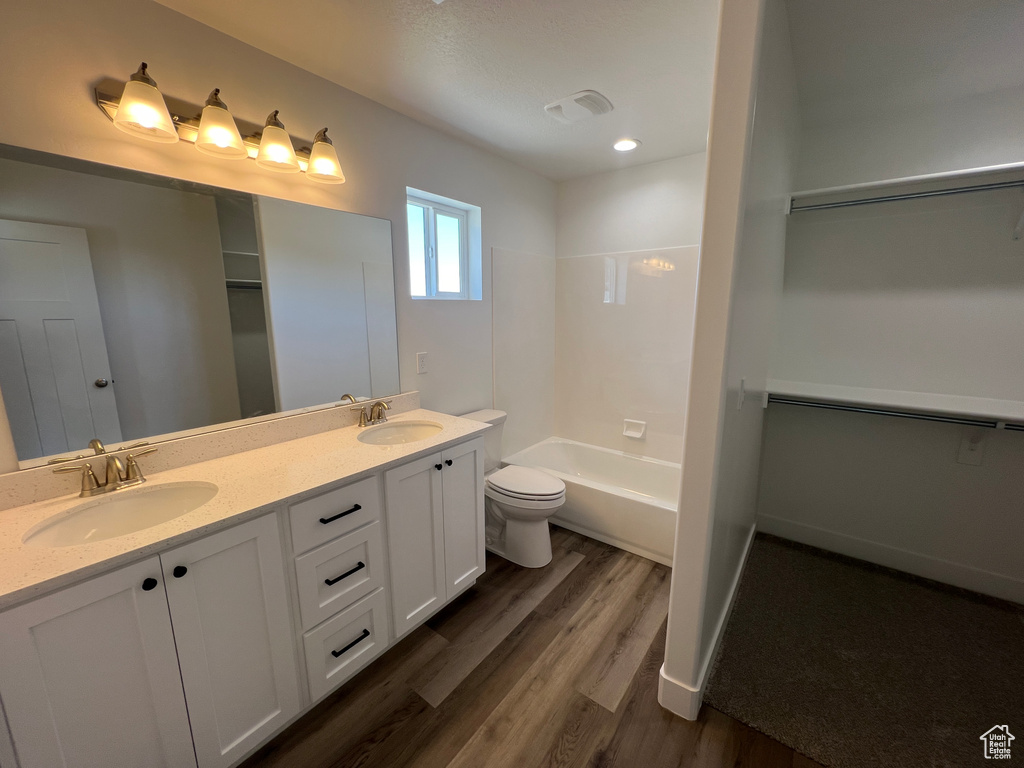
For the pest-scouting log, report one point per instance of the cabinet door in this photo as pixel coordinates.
(463, 515)
(89, 676)
(415, 541)
(235, 638)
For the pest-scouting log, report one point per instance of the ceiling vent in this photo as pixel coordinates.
(579, 106)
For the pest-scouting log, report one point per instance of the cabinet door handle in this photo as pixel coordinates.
(448, 462)
(353, 644)
(326, 520)
(346, 574)
(149, 584)
(179, 571)
(437, 467)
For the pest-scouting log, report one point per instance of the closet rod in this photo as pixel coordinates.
(887, 412)
(793, 208)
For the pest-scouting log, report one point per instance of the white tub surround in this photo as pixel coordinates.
(622, 500)
(250, 483)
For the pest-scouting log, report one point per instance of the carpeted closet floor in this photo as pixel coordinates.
(857, 666)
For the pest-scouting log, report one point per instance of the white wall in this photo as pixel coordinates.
(658, 205)
(974, 132)
(160, 281)
(750, 159)
(891, 491)
(627, 358)
(381, 151)
(524, 346)
(920, 296)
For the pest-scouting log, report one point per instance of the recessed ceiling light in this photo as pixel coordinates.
(626, 145)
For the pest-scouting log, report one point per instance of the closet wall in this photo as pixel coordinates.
(913, 304)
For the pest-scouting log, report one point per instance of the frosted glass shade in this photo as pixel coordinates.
(218, 135)
(276, 151)
(323, 164)
(142, 112)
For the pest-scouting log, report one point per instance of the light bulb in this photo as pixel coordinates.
(276, 151)
(626, 145)
(323, 161)
(142, 111)
(218, 135)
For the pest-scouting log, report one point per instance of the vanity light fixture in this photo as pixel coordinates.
(142, 110)
(323, 161)
(276, 150)
(218, 135)
(626, 145)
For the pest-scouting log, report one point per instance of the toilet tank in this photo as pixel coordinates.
(492, 437)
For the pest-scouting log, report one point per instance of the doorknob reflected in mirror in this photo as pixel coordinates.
(101, 383)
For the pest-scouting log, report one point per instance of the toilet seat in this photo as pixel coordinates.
(525, 484)
(518, 502)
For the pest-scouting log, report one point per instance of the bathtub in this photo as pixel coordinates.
(626, 501)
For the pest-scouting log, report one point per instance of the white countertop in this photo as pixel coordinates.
(249, 484)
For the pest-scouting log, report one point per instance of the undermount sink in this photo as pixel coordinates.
(398, 432)
(121, 513)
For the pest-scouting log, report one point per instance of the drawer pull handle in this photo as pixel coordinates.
(346, 574)
(326, 520)
(353, 644)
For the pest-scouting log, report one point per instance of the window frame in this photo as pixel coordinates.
(432, 208)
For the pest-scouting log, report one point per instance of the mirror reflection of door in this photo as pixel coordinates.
(54, 369)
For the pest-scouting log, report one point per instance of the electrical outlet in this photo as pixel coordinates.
(421, 362)
(971, 447)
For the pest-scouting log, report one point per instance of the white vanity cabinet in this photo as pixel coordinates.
(233, 629)
(435, 530)
(90, 675)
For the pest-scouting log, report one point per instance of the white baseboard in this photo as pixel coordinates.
(685, 700)
(946, 571)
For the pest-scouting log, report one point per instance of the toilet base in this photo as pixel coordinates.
(525, 543)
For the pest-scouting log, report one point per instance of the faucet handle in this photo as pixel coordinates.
(89, 481)
(133, 447)
(132, 471)
(62, 459)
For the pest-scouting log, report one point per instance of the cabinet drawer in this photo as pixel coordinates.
(329, 515)
(341, 646)
(334, 576)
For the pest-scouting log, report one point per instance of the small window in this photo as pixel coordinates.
(439, 259)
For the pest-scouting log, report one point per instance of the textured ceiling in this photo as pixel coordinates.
(484, 69)
(887, 55)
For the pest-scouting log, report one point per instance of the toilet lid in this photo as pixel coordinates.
(526, 482)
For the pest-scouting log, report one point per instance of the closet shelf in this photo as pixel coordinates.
(958, 407)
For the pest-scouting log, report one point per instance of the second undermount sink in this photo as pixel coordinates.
(121, 513)
(398, 432)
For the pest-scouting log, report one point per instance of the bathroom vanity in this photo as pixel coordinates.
(194, 641)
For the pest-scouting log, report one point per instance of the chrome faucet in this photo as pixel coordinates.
(117, 474)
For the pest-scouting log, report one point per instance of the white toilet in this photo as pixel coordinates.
(518, 502)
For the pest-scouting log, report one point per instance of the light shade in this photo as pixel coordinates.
(626, 145)
(142, 111)
(218, 135)
(323, 161)
(276, 150)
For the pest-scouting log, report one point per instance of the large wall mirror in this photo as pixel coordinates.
(135, 306)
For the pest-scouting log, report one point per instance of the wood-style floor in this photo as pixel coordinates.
(550, 667)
